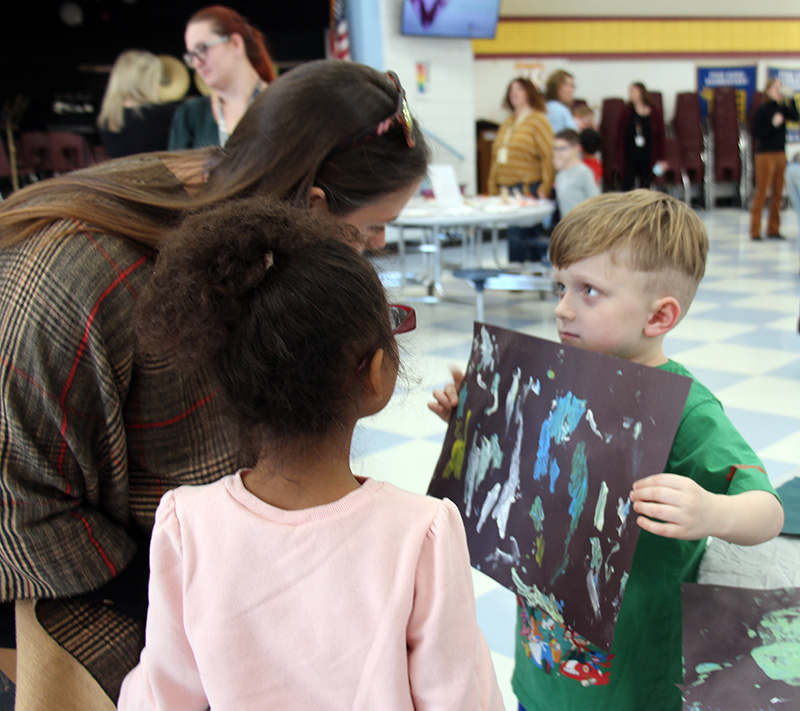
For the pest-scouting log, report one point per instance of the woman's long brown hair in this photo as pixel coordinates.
(282, 147)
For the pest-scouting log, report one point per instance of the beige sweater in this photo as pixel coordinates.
(529, 145)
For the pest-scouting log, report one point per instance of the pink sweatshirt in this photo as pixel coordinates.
(364, 603)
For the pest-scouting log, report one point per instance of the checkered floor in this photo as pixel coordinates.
(740, 338)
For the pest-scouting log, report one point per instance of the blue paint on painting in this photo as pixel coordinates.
(543, 455)
(462, 401)
(578, 490)
(567, 414)
(555, 470)
(578, 485)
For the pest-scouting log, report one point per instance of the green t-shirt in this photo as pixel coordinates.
(558, 671)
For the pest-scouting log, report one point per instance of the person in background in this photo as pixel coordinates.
(575, 182)
(132, 120)
(560, 90)
(294, 326)
(769, 137)
(627, 267)
(591, 142)
(230, 56)
(584, 117)
(641, 140)
(95, 432)
(522, 159)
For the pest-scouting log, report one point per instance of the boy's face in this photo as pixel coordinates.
(564, 154)
(604, 307)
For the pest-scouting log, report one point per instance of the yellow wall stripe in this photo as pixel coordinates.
(641, 36)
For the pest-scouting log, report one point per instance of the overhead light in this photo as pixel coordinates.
(71, 14)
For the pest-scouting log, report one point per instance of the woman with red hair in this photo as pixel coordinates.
(230, 56)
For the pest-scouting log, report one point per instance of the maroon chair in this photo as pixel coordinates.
(688, 129)
(69, 151)
(724, 121)
(609, 130)
(35, 154)
(675, 177)
(6, 174)
(755, 101)
(658, 102)
(5, 165)
(99, 154)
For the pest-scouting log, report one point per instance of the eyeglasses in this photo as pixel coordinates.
(201, 50)
(401, 117)
(402, 319)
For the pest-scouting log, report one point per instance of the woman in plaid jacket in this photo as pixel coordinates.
(93, 432)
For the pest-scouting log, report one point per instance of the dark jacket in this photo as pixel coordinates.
(768, 138)
(657, 139)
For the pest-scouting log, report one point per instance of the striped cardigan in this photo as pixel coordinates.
(530, 153)
(91, 435)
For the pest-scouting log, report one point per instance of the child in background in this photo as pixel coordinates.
(294, 584)
(591, 141)
(574, 181)
(627, 266)
(584, 117)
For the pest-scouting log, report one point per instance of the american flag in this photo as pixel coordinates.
(338, 40)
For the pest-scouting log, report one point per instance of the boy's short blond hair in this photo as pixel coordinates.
(646, 230)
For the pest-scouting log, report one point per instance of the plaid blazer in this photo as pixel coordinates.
(91, 435)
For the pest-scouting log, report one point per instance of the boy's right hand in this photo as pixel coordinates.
(446, 400)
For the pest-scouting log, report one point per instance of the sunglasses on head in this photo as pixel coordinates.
(402, 319)
(401, 117)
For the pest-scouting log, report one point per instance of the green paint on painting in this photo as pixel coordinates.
(578, 489)
(551, 374)
(537, 513)
(597, 554)
(779, 654)
(536, 598)
(706, 668)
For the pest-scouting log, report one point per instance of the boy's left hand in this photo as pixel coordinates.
(682, 507)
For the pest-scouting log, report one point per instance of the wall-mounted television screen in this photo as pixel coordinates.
(450, 18)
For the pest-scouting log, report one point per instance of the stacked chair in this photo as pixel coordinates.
(692, 143)
(728, 136)
(609, 123)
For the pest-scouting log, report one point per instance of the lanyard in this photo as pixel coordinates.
(221, 126)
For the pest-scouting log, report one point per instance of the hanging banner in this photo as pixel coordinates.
(743, 79)
(790, 79)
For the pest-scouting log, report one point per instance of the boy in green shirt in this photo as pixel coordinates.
(627, 266)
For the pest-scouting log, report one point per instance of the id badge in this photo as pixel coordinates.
(639, 141)
(502, 155)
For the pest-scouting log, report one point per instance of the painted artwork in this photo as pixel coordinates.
(741, 648)
(540, 457)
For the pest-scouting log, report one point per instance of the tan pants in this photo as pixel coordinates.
(48, 677)
(770, 168)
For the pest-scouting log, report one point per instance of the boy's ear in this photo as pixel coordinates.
(664, 317)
